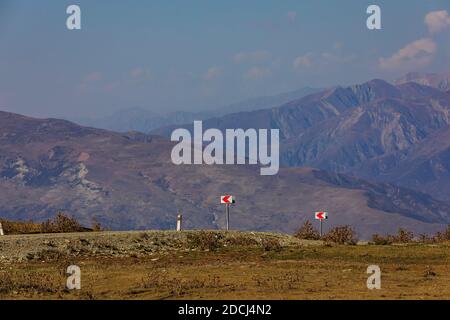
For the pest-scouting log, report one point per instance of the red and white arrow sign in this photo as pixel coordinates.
(321, 215)
(226, 199)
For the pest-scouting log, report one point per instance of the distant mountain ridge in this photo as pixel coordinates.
(436, 80)
(143, 120)
(139, 119)
(363, 130)
(127, 181)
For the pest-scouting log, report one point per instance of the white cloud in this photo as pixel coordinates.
(304, 61)
(256, 73)
(416, 54)
(212, 73)
(323, 60)
(437, 21)
(292, 16)
(332, 57)
(252, 57)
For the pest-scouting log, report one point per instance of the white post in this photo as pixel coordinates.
(179, 221)
(1, 230)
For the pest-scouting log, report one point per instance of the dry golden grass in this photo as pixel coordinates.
(20, 227)
(61, 223)
(243, 272)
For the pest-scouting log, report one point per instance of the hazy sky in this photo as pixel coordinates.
(166, 55)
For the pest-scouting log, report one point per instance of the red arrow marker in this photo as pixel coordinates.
(321, 215)
(227, 199)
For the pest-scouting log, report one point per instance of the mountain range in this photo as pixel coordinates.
(437, 80)
(374, 155)
(376, 130)
(127, 181)
(143, 120)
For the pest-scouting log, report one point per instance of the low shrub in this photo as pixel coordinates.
(403, 236)
(96, 225)
(307, 232)
(20, 227)
(62, 224)
(341, 235)
(443, 236)
(30, 283)
(380, 240)
(242, 241)
(47, 255)
(173, 286)
(271, 245)
(204, 240)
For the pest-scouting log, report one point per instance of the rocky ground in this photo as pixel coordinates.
(216, 265)
(19, 248)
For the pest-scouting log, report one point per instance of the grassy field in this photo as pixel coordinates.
(217, 265)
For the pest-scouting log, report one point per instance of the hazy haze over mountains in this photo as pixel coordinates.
(140, 119)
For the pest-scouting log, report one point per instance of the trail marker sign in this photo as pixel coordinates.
(227, 201)
(321, 215)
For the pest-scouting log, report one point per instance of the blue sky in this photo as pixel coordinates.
(190, 55)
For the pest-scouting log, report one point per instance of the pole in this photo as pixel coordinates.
(1, 230)
(321, 233)
(227, 213)
(179, 221)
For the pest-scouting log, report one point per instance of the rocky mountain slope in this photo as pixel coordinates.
(437, 80)
(127, 181)
(368, 130)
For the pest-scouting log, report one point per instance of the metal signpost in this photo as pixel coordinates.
(321, 216)
(227, 201)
